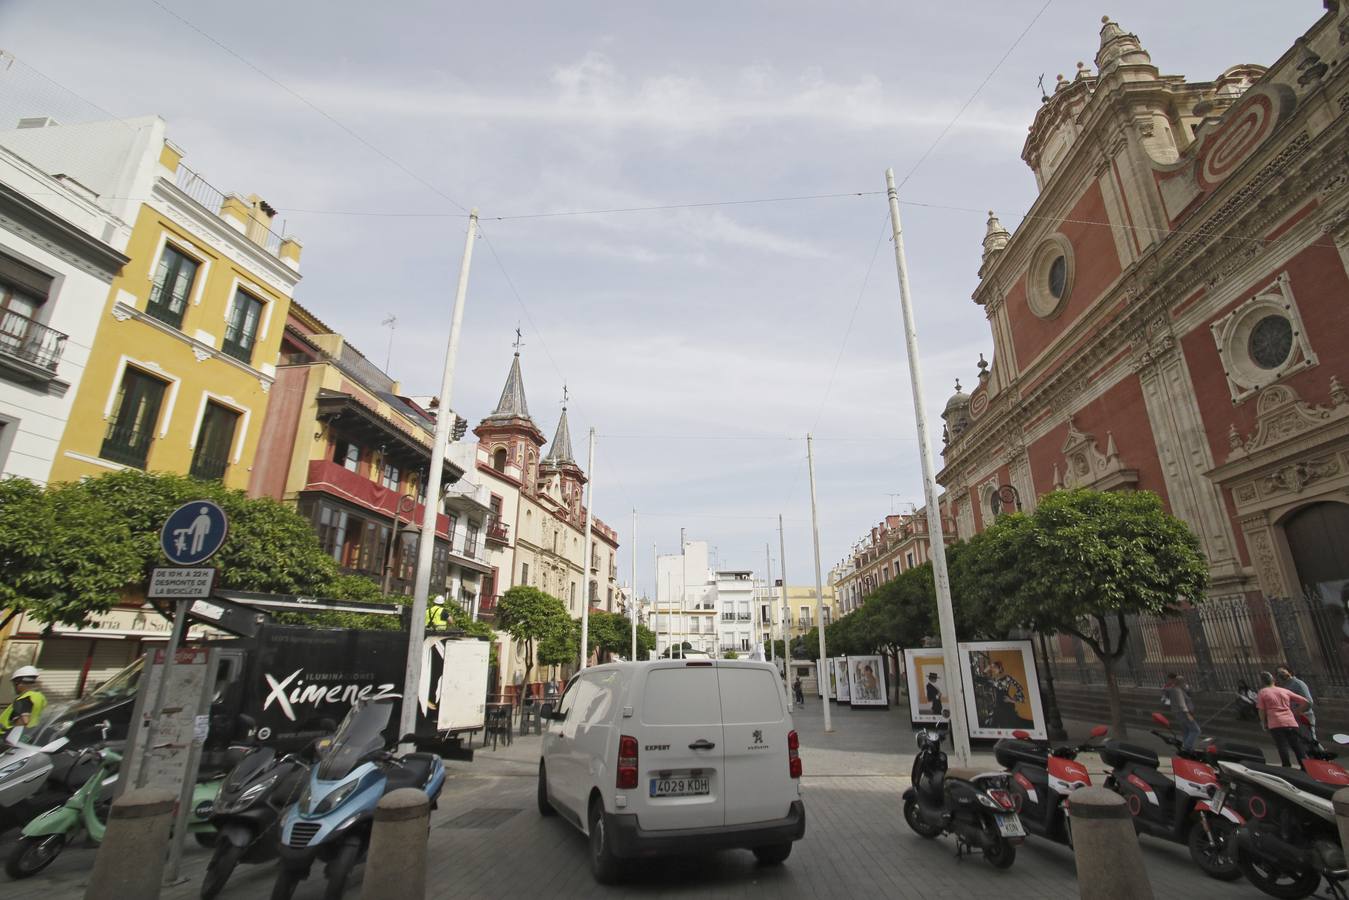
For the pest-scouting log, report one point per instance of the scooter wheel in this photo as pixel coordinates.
(221, 866)
(284, 886)
(1215, 856)
(1277, 882)
(204, 839)
(33, 853)
(914, 817)
(339, 870)
(1001, 855)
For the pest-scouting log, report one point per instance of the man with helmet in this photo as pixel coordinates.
(25, 710)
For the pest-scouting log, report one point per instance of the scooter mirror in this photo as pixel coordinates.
(1341, 738)
(1161, 720)
(1021, 735)
(1100, 731)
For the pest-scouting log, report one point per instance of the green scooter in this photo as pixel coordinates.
(86, 811)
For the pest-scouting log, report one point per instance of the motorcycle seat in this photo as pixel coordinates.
(1117, 754)
(412, 771)
(1298, 779)
(964, 774)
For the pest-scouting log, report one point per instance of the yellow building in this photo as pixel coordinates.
(184, 355)
(800, 616)
(180, 355)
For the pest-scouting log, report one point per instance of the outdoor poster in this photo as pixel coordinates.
(1003, 693)
(841, 679)
(866, 677)
(925, 670)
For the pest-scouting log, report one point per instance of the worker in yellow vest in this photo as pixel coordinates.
(437, 616)
(24, 712)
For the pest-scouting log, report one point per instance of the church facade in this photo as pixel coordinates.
(1170, 315)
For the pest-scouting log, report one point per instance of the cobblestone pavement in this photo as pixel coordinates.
(487, 840)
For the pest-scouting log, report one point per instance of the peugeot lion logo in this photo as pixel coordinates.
(758, 736)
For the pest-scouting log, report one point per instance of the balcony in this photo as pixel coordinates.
(464, 496)
(208, 468)
(728, 617)
(744, 617)
(487, 609)
(332, 478)
(29, 348)
(127, 444)
(497, 532)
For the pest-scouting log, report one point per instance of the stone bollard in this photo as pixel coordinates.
(396, 866)
(130, 861)
(1341, 801)
(1105, 847)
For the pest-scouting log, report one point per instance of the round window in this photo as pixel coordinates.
(1271, 341)
(1058, 277)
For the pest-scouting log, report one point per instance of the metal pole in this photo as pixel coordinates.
(683, 591)
(768, 561)
(152, 733)
(960, 736)
(589, 545)
(632, 601)
(819, 581)
(782, 616)
(426, 543)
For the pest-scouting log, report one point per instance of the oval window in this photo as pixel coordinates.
(1058, 277)
(1271, 341)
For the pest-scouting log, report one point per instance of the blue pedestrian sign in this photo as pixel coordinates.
(194, 533)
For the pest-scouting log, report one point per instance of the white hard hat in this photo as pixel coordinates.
(23, 672)
(439, 600)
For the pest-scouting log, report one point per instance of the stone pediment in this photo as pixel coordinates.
(1282, 415)
(1085, 466)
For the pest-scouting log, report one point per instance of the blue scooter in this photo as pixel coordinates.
(333, 818)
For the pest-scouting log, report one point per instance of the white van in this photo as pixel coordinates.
(674, 756)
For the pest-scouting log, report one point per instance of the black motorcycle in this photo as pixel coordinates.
(248, 811)
(977, 808)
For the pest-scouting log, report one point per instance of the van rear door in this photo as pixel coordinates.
(679, 743)
(759, 786)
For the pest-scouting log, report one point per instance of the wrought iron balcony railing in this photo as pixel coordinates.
(31, 341)
(127, 444)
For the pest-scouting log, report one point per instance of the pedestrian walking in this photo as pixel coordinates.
(1276, 707)
(1285, 678)
(1182, 705)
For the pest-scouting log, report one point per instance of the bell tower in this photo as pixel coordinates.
(509, 436)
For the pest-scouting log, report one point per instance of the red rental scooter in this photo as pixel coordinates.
(1173, 809)
(1042, 779)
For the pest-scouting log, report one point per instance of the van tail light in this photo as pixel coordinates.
(626, 778)
(793, 754)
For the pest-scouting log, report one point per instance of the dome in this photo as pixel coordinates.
(959, 401)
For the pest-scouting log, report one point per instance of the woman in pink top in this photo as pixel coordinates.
(1276, 706)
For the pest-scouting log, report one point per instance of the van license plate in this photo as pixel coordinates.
(680, 787)
(1010, 825)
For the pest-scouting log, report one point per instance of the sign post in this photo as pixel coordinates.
(191, 535)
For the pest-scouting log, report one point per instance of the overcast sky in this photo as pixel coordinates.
(700, 343)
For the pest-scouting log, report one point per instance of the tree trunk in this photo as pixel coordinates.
(1117, 726)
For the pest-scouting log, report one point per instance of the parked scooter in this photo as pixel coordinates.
(333, 817)
(248, 810)
(29, 781)
(86, 811)
(1177, 809)
(975, 807)
(1288, 840)
(1042, 779)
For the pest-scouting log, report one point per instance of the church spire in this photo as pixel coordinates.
(559, 451)
(512, 404)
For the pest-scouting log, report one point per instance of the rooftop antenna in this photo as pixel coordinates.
(392, 322)
(892, 502)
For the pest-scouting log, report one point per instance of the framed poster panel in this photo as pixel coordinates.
(866, 682)
(1002, 689)
(929, 684)
(844, 695)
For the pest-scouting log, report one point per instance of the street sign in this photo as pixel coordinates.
(181, 583)
(194, 533)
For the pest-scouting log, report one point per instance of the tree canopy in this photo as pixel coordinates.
(541, 622)
(72, 549)
(611, 635)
